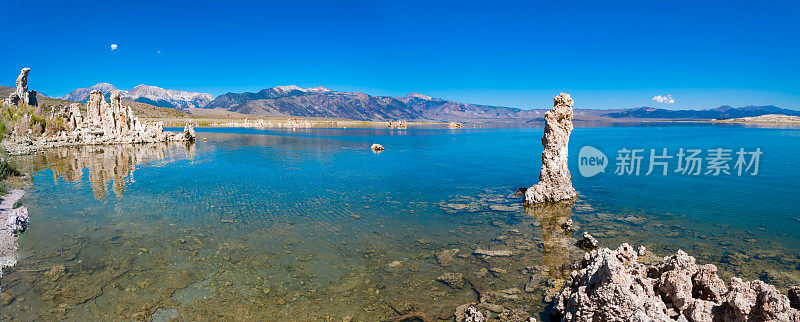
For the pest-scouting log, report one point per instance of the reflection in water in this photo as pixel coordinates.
(107, 164)
(555, 241)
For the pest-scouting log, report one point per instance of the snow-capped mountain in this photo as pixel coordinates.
(147, 94)
(321, 102)
(82, 94)
(168, 97)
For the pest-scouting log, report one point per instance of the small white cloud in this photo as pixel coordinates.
(664, 99)
(158, 52)
(113, 46)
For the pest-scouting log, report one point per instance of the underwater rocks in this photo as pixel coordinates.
(555, 179)
(21, 94)
(13, 221)
(445, 257)
(611, 285)
(453, 280)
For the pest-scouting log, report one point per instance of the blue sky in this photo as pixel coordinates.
(607, 54)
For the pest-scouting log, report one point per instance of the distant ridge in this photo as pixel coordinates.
(722, 112)
(321, 102)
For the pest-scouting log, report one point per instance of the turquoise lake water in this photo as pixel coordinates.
(310, 224)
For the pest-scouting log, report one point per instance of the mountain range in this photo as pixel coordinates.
(152, 95)
(322, 102)
(283, 101)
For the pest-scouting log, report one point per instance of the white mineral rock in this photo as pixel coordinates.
(554, 178)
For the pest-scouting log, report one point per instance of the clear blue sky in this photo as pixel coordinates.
(608, 54)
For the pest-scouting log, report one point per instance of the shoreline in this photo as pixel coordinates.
(14, 221)
(26, 146)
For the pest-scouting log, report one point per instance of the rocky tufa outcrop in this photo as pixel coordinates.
(554, 178)
(104, 123)
(110, 122)
(611, 285)
(21, 94)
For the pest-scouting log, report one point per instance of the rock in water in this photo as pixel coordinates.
(588, 242)
(454, 280)
(188, 132)
(567, 225)
(377, 147)
(554, 178)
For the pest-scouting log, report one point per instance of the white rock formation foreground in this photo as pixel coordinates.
(12, 223)
(104, 123)
(554, 179)
(612, 285)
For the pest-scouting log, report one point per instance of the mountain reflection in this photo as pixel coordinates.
(107, 164)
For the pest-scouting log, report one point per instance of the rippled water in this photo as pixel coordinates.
(312, 225)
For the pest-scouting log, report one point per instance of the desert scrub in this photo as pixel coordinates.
(26, 119)
(7, 167)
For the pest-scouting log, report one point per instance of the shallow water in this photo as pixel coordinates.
(312, 225)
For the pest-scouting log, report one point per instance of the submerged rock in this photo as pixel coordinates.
(555, 179)
(445, 257)
(611, 285)
(453, 280)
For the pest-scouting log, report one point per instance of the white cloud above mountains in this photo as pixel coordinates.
(664, 99)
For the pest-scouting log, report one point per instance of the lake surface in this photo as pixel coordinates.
(310, 224)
